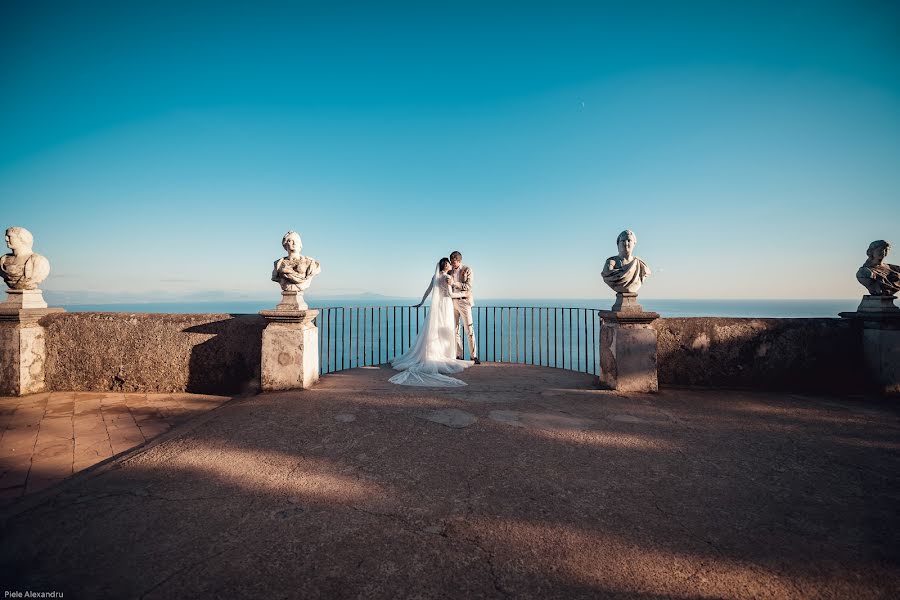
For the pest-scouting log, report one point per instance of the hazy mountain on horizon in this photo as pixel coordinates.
(77, 297)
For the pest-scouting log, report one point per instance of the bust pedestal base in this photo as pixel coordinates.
(628, 344)
(877, 304)
(292, 301)
(880, 341)
(290, 350)
(23, 350)
(22, 299)
(626, 302)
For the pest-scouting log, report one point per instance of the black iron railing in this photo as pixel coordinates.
(360, 336)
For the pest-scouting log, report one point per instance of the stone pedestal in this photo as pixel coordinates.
(291, 301)
(877, 305)
(23, 299)
(628, 345)
(880, 334)
(23, 349)
(626, 302)
(290, 350)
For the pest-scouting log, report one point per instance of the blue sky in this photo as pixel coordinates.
(164, 148)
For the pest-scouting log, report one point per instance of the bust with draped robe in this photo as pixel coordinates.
(625, 273)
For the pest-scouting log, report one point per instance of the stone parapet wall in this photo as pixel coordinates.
(786, 354)
(221, 353)
(143, 352)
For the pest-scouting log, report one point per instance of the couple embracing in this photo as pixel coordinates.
(438, 350)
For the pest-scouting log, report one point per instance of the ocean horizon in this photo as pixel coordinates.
(736, 308)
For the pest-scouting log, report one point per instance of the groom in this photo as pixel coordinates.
(462, 307)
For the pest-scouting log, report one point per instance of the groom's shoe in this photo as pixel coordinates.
(477, 361)
(458, 357)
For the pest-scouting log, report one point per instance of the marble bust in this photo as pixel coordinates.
(294, 272)
(625, 272)
(22, 269)
(877, 276)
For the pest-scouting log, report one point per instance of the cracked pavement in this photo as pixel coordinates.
(536, 486)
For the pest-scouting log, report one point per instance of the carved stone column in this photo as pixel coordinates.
(23, 347)
(628, 344)
(23, 350)
(290, 350)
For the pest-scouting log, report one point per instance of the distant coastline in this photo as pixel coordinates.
(738, 308)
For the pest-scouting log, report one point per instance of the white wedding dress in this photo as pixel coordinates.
(433, 355)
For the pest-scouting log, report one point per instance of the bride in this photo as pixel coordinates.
(434, 352)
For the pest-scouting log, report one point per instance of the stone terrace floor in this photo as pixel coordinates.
(45, 438)
(527, 483)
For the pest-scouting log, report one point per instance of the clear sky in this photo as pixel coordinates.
(165, 147)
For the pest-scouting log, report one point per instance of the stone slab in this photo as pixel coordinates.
(636, 316)
(451, 417)
(23, 357)
(628, 357)
(23, 299)
(290, 356)
(878, 304)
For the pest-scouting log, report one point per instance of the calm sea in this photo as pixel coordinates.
(666, 308)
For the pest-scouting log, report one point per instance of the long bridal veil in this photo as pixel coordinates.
(433, 354)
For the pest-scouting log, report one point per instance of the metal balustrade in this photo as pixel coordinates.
(361, 336)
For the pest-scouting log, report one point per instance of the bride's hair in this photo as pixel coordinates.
(443, 263)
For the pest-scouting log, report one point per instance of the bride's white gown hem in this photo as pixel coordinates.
(432, 357)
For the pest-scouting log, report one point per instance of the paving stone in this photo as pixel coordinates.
(46, 437)
(153, 429)
(122, 442)
(510, 417)
(89, 427)
(39, 398)
(56, 428)
(141, 417)
(92, 452)
(451, 417)
(26, 416)
(92, 407)
(18, 443)
(90, 456)
(53, 450)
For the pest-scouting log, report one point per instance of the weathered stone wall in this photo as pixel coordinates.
(220, 353)
(142, 352)
(787, 354)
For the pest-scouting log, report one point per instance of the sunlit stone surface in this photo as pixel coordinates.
(290, 350)
(290, 342)
(628, 342)
(23, 270)
(22, 338)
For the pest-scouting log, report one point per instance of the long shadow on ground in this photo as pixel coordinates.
(553, 490)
